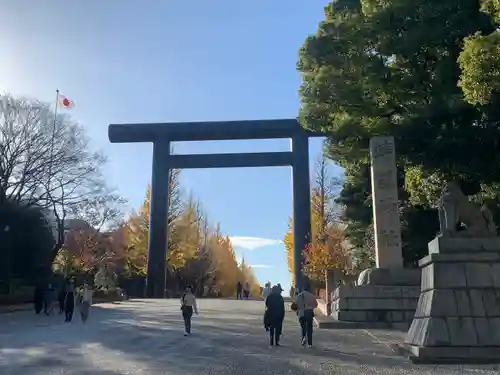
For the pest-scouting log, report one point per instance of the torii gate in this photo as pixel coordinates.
(162, 134)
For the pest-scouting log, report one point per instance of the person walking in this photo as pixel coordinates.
(188, 306)
(306, 302)
(239, 288)
(69, 301)
(38, 298)
(49, 300)
(61, 297)
(274, 316)
(85, 302)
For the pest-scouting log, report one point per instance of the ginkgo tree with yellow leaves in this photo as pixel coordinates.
(248, 276)
(328, 248)
(197, 255)
(137, 231)
(227, 271)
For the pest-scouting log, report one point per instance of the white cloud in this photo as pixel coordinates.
(252, 243)
(261, 266)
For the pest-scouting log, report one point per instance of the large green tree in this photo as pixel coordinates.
(26, 242)
(480, 62)
(378, 67)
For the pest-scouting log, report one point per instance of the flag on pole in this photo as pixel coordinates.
(64, 102)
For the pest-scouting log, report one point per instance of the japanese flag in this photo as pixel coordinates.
(64, 102)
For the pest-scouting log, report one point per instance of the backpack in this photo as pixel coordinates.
(295, 306)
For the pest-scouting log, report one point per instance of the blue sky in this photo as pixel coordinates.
(178, 60)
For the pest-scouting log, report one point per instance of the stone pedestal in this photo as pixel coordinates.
(458, 314)
(380, 305)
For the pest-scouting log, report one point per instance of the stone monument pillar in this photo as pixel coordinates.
(458, 314)
(386, 220)
(386, 295)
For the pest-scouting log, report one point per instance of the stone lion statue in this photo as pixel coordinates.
(390, 277)
(454, 209)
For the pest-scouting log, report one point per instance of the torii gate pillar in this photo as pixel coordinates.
(301, 205)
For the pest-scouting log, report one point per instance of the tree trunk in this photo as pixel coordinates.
(60, 241)
(55, 250)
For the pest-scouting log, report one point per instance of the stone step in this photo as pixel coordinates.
(328, 322)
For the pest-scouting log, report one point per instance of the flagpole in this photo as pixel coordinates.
(51, 160)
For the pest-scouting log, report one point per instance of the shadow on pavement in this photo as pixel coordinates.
(124, 338)
(223, 340)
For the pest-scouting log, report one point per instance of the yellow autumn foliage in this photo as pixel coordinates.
(327, 249)
(196, 256)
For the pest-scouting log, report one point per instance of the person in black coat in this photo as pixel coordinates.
(239, 288)
(274, 315)
(61, 297)
(38, 298)
(69, 301)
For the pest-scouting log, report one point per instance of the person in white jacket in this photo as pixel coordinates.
(188, 306)
(85, 302)
(306, 302)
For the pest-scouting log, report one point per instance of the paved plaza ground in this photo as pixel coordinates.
(145, 337)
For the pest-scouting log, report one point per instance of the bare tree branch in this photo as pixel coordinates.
(65, 179)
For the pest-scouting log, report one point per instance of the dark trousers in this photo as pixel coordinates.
(84, 311)
(38, 307)
(306, 325)
(275, 333)
(61, 304)
(238, 295)
(68, 310)
(48, 307)
(39, 302)
(187, 314)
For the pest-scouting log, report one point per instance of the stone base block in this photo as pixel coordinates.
(447, 245)
(375, 292)
(454, 331)
(374, 316)
(458, 355)
(461, 271)
(458, 313)
(394, 305)
(328, 322)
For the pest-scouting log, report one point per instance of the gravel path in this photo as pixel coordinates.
(145, 338)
